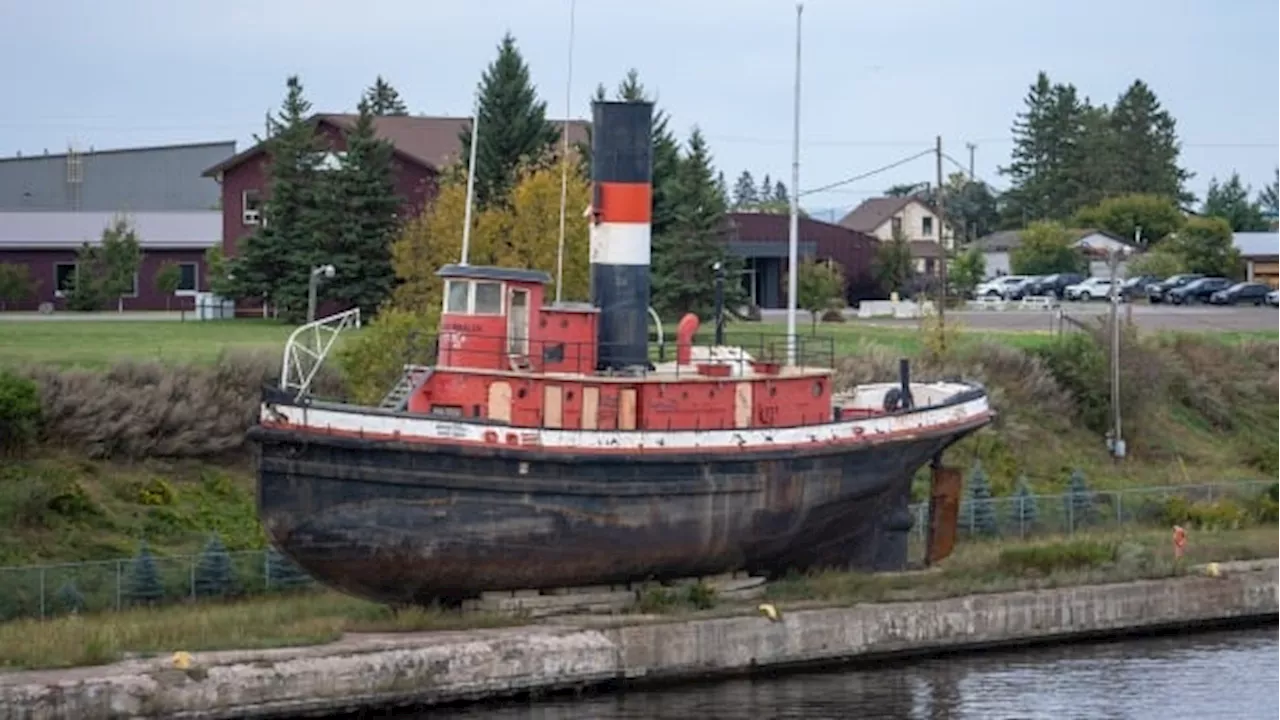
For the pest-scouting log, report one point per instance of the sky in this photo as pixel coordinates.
(880, 80)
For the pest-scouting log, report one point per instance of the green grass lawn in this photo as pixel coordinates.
(99, 343)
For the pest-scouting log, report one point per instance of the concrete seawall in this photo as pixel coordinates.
(375, 670)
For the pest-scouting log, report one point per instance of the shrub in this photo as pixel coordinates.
(19, 412)
(1050, 557)
(373, 362)
(1222, 514)
(68, 599)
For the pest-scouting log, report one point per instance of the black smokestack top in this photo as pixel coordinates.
(622, 201)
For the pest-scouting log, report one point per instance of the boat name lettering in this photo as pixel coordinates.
(451, 430)
(463, 327)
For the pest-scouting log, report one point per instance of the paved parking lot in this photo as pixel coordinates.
(1147, 317)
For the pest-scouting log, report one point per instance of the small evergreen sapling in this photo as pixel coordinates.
(1025, 511)
(283, 574)
(1079, 501)
(214, 576)
(144, 579)
(983, 521)
(68, 598)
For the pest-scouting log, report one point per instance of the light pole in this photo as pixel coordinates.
(325, 271)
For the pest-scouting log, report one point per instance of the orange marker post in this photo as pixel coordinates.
(1179, 541)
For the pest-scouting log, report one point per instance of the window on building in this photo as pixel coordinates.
(188, 279)
(133, 293)
(896, 225)
(64, 276)
(926, 226)
(488, 298)
(251, 203)
(332, 160)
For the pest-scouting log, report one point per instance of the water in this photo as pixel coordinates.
(1225, 675)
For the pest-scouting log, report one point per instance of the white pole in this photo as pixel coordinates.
(471, 184)
(793, 251)
(564, 157)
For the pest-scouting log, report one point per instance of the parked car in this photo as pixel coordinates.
(1156, 293)
(1017, 291)
(1273, 298)
(1136, 286)
(1089, 289)
(1197, 290)
(997, 286)
(1249, 293)
(1055, 285)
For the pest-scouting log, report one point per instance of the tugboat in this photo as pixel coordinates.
(551, 445)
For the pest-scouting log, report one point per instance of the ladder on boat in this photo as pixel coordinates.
(411, 379)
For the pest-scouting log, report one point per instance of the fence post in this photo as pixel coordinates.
(1119, 508)
(1071, 513)
(1022, 522)
(266, 571)
(191, 573)
(119, 583)
(42, 598)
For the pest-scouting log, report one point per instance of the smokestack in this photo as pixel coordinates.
(622, 201)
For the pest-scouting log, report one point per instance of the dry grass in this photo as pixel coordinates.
(305, 619)
(987, 567)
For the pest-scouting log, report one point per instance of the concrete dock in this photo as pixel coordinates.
(364, 671)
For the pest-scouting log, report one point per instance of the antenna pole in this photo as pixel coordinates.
(564, 157)
(793, 250)
(471, 184)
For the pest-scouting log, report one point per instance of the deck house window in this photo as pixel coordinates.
(488, 296)
(456, 296)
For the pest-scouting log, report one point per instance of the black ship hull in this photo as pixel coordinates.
(405, 522)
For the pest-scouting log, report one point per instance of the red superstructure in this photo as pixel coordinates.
(507, 356)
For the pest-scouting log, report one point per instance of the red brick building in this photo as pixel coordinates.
(424, 147)
(762, 240)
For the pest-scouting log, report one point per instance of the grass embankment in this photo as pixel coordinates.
(976, 567)
(99, 344)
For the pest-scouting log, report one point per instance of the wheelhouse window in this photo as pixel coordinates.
(473, 297)
(488, 298)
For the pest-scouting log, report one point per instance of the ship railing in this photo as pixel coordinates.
(760, 352)
(309, 346)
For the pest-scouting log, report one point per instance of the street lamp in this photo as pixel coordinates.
(317, 272)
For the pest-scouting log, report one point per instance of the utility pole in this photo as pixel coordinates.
(1117, 440)
(942, 245)
(971, 147)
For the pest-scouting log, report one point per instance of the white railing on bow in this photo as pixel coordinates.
(309, 345)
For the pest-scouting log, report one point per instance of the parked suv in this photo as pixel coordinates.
(1156, 293)
(1091, 288)
(998, 286)
(1056, 285)
(1273, 298)
(1017, 291)
(1249, 293)
(1136, 286)
(1197, 290)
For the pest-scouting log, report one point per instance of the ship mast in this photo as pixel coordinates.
(793, 249)
(564, 158)
(471, 184)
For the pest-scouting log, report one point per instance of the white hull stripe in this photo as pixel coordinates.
(446, 432)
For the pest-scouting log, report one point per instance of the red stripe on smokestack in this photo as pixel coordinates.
(624, 202)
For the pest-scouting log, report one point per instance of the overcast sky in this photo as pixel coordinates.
(880, 79)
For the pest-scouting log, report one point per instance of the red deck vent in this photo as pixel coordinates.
(714, 369)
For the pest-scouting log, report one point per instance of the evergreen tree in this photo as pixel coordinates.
(780, 194)
(971, 206)
(362, 207)
(144, 579)
(1230, 201)
(666, 154)
(1079, 499)
(722, 187)
(1269, 198)
(1045, 173)
(765, 192)
(1146, 146)
(214, 576)
(744, 192)
(275, 262)
(684, 253)
(983, 513)
(513, 125)
(68, 599)
(283, 574)
(1025, 511)
(383, 99)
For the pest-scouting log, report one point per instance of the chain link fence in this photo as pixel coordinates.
(49, 590)
(88, 587)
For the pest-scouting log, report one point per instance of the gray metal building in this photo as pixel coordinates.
(151, 179)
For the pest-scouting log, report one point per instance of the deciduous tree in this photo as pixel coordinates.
(1205, 246)
(894, 268)
(16, 284)
(117, 261)
(1124, 215)
(167, 279)
(819, 287)
(1160, 262)
(967, 271)
(1045, 248)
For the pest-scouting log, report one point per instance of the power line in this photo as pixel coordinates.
(865, 175)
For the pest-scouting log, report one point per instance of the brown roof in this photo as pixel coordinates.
(873, 212)
(429, 141)
(775, 227)
(925, 249)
